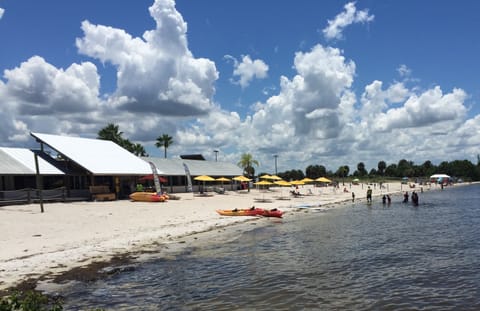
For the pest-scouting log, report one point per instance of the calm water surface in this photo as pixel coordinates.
(356, 257)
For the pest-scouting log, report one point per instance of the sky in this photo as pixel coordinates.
(327, 83)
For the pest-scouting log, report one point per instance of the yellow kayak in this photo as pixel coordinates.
(239, 212)
(148, 197)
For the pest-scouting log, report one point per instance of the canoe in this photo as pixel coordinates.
(239, 212)
(147, 197)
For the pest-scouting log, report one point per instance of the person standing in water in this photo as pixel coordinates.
(405, 197)
(414, 198)
(369, 195)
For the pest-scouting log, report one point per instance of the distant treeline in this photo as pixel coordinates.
(463, 169)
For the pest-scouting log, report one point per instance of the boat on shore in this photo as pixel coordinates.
(148, 197)
(251, 212)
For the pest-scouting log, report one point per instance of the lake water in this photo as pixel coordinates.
(354, 257)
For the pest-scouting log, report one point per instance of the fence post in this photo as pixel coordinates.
(39, 183)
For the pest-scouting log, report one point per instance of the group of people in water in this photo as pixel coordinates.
(414, 197)
(386, 199)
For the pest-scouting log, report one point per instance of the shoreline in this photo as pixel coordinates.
(72, 241)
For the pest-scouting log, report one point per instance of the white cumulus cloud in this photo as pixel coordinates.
(351, 15)
(39, 88)
(156, 73)
(431, 108)
(248, 69)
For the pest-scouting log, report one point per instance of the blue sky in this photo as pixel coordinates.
(314, 82)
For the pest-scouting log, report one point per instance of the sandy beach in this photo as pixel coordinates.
(71, 235)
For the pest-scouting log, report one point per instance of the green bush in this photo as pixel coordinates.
(30, 301)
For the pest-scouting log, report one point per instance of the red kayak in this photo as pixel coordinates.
(271, 213)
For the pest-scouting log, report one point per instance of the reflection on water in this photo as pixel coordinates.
(357, 257)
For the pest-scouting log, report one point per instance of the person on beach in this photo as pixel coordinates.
(353, 196)
(369, 195)
(389, 199)
(384, 199)
(405, 197)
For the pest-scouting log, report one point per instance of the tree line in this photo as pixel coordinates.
(464, 169)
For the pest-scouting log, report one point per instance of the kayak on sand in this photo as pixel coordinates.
(148, 197)
(251, 212)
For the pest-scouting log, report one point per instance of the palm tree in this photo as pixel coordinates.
(361, 169)
(111, 132)
(164, 141)
(382, 166)
(246, 162)
(343, 172)
(139, 150)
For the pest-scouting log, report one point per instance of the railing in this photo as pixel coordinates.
(31, 195)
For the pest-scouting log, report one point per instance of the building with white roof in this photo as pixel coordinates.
(78, 163)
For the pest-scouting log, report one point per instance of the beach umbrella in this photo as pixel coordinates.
(241, 178)
(204, 178)
(275, 177)
(263, 183)
(297, 182)
(150, 177)
(323, 179)
(282, 183)
(222, 179)
(266, 176)
(307, 180)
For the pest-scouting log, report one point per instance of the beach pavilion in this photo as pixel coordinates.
(77, 164)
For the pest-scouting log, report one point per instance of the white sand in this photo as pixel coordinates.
(69, 235)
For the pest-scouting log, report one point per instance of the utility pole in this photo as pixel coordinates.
(276, 156)
(216, 153)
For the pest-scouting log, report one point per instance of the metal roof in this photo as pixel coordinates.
(99, 157)
(21, 161)
(174, 167)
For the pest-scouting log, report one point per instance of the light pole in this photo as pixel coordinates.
(216, 153)
(275, 156)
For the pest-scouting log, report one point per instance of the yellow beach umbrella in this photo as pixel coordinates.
(266, 176)
(307, 180)
(323, 179)
(204, 178)
(282, 183)
(275, 177)
(263, 183)
(222, 179)
(241, 178)
(297, 182)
